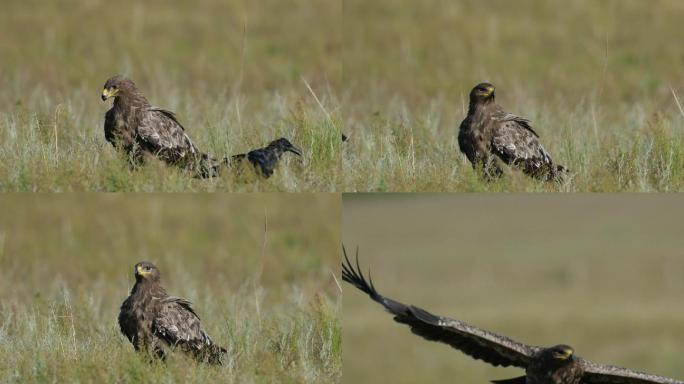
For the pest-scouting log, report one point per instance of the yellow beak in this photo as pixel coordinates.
(139, 270)
(107, 93)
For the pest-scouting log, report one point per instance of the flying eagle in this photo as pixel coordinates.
(554, 365)
(491, 137)
(154, 321)
(141, 130)
(265, 159)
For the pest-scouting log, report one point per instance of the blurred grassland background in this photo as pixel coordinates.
(595, 78)
(258, 268)
(601, 273)
(235, 72)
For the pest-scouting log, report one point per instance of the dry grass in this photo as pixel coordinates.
(258, 271)
(594, 77)
(235, 72)
(601, 273)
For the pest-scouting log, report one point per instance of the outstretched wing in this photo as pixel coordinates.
(179, 326)
(164, 135)
(515, 142)
(474, 342)
(607, 374)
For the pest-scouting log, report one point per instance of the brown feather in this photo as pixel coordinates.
(491, 138)
(140, 130)
(153, 321)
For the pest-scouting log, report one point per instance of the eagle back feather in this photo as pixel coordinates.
(162, 131)
(178, 324)
(515, 142)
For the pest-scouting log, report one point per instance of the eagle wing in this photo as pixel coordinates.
(162, 132)
(474, 342)
(607, 374)
(179, 326)
(515, 142)
(127, 327)
(110, 126)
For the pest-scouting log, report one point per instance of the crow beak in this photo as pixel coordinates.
(295, 150)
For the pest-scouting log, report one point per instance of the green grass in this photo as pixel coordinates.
(258, 271)
(600, 273)
(596, 87)
(394, 75)
(235, 72)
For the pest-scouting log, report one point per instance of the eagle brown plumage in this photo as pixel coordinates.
(141, 130)
(554, 365)
(153, 321)
(491, 137)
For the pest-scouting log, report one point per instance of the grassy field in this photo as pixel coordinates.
(601, 273)
(237, 73)
(595, 77)
(258, 270)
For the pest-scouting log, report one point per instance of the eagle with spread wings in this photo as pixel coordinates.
(553, 365)
(153, 321)
(141, 130)
(491, 138)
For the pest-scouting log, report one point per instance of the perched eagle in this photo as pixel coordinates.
(154, 321)
(141, 130)
(490, 137)
(554, 365)
(265, 159)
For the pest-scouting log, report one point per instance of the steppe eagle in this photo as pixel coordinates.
(490, 137)
(141, 130)
(554, 365)
(153, 321)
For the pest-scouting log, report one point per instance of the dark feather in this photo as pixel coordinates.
(517, 380)
(154, 321)
(607, 374)
(140, 130)
(179, 326)
(266, 159)
(492, 138)
(476, 343)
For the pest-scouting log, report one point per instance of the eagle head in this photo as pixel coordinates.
(561, 353)
(482, 92)
(145, 270)
(116, 85)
